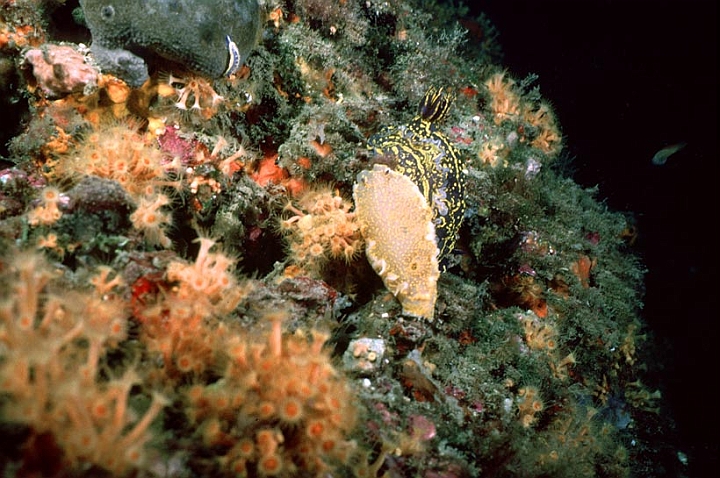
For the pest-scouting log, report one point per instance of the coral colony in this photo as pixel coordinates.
(302, 239)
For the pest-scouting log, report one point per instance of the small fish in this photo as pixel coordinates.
(662, 156)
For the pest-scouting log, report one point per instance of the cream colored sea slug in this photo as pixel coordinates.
(398, 228)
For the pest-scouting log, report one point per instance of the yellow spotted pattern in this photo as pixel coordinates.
(424, 154)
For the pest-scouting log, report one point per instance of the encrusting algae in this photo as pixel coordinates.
(196, 253)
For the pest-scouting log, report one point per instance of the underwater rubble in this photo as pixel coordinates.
(189, 285)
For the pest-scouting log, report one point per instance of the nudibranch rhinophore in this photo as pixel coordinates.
(400, 242)
(210, 37)
(425, 155)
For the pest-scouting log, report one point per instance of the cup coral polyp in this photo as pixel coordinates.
(192, 93)
(547, 138)
(529, 405)
(119, 152)
(208, 280)
(505, 100)
(47, 212)
(280, 406)
(152, 220)
(180, 324)
(321, 229)
(50, 351)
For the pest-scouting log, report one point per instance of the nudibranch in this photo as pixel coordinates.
(399, 233)
(410, 215)
(210, 37)
(425, 155)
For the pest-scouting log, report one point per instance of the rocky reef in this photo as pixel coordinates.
(189, 286)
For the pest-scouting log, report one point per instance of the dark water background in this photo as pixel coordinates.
(627, 78)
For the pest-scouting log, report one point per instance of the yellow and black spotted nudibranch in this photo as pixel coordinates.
(409, 216)
(425, 155)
